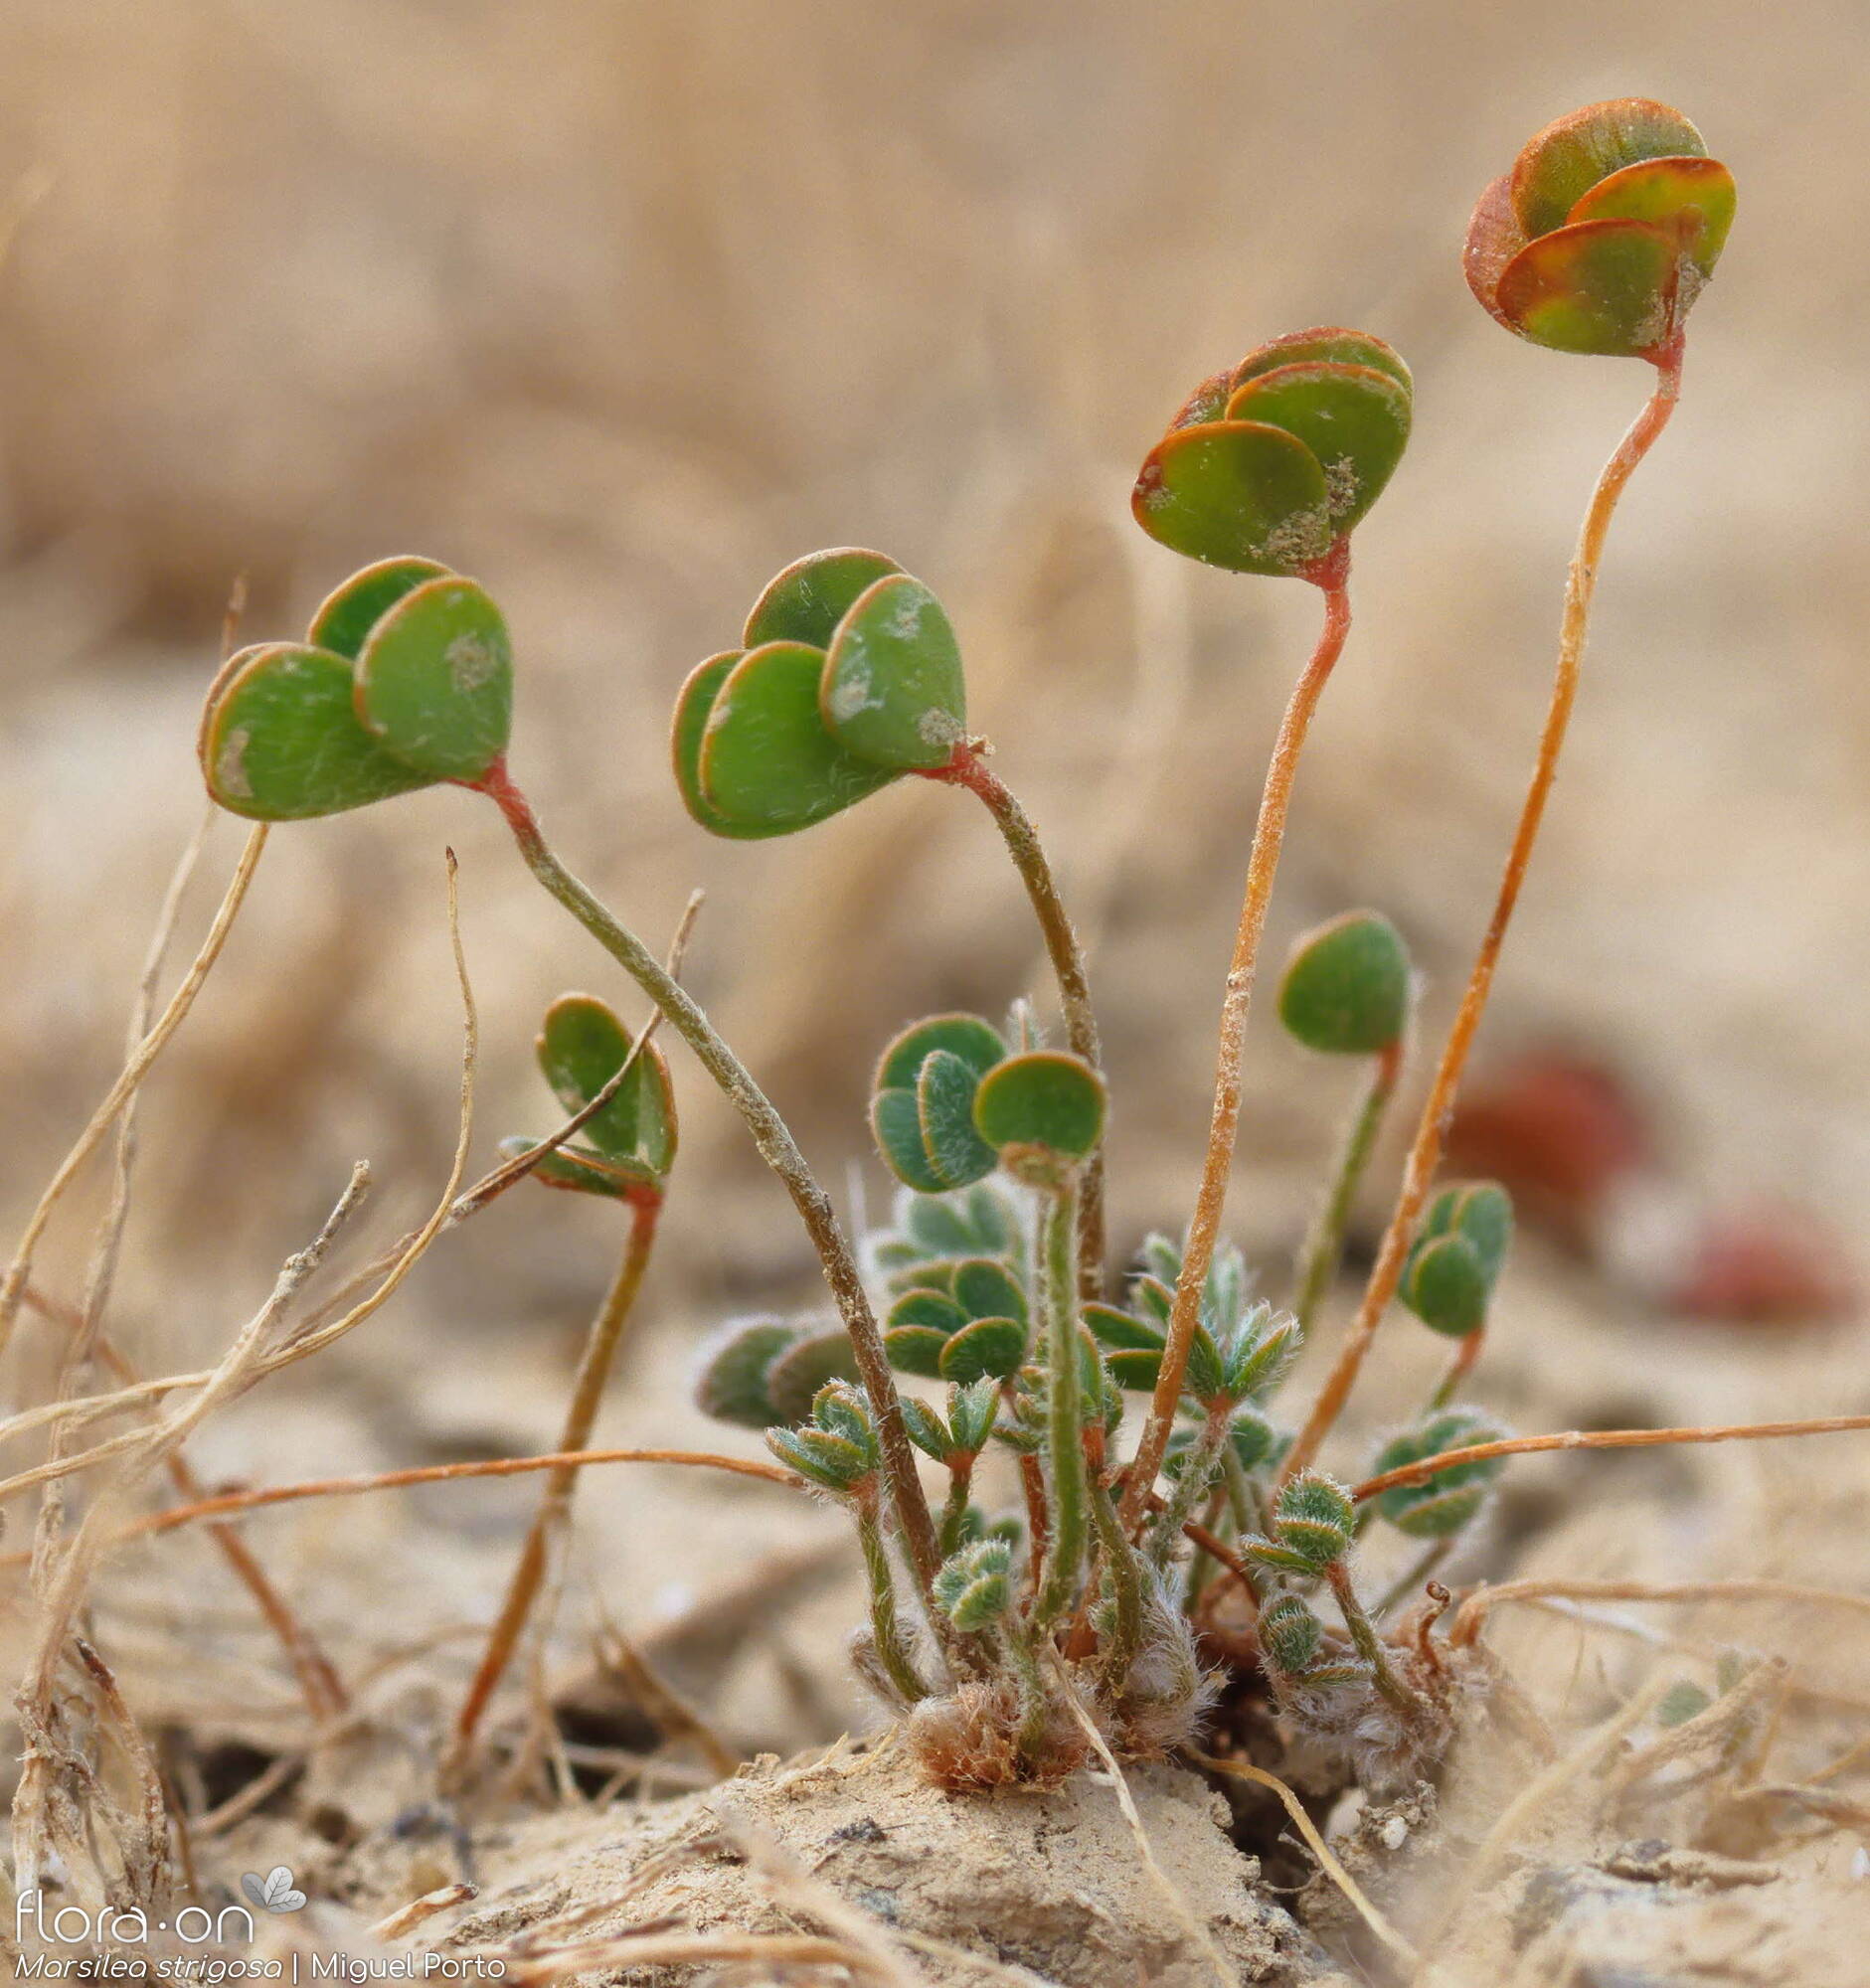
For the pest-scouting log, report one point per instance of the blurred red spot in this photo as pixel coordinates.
(1766, 1265)
(1557, 1130)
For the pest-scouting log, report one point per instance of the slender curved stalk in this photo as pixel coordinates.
(1324, 1247)
(1368, 1643)
(1459, 1369)
(1199, 1462)
(555, 1504)
(955, 1507)
(1332, 576)
(892, 1652)
(777, 1147)
(1529, 1445)
(1065, 1418)
(969, 769)
(1120, 1557)
(1425, 1155)
(225, 1504)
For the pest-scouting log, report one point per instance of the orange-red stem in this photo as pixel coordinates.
(1425, 1153)
(1332, 576)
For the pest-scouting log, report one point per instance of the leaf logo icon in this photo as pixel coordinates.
(276, 1892)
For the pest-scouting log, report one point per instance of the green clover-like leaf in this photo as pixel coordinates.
(893, 689)
(1449, 1499)
(800, 1373)
(1045, 1101)
(766, 760)
(1267, 465)
(281, 740)
(988, 1346)
(805, 601)
(1600, 237)
(435, 679)
(1346, 986)
(730, 1385)
(1354, 420)
(580, 1048)
(1444, 1285)
(348, 613)
(1236, 494)
(1482, 1212)
(923, 1109)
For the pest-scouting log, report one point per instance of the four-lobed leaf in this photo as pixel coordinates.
(1600, 237)
(405, 679)
(976, 1327)
(1269, 465)
(849, 676)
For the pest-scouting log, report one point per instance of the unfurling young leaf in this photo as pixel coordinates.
(1314, 1524)
(973, 1589)
(836, 1449)
(1290, 1633)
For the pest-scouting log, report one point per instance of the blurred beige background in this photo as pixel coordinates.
(620, 306)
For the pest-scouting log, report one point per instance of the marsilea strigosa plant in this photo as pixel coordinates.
(983, 1320)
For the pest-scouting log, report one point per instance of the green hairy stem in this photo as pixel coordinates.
(777, 1147)
(1065, 1415)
